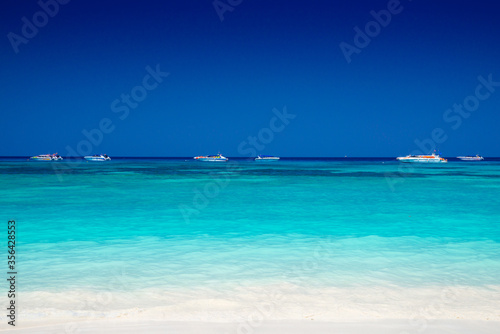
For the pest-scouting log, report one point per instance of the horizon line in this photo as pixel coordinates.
(252, 157)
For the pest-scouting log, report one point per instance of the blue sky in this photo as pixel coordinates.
(226, 77)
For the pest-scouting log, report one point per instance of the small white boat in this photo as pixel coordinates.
(266, 158)
(433, 158)
(47, 157)
(471, 158)
(211, 158)
(101, 157)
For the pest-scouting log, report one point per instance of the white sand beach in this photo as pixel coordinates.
(270, 309)
(272, 327)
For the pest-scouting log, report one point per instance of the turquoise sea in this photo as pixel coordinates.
(192, 237)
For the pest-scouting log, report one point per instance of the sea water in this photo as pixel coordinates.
(180, 239)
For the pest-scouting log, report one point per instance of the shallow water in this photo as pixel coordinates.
(182, 227)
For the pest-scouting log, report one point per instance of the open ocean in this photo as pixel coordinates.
(322, 238)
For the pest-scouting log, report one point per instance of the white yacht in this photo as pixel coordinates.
(211, 158)
(101, 157)
(471, 158)
(433, 158)
(266, 158)
(47, 157)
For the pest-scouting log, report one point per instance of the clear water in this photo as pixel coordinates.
(180, 227)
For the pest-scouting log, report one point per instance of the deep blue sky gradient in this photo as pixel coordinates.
(227, 76)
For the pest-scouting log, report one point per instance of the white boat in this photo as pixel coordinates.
(471, 158)
(211, 158)
(433, 158)
(101, 157)
(266, 158)
(47, 157)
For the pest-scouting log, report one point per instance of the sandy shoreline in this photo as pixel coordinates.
(274, 302)
(271, 309)
(407, 326)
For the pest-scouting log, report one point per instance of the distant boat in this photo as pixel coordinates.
(211, 158)
(471, 158)
(101, 157)
(433, 158)
(266, 158)
(47, 157)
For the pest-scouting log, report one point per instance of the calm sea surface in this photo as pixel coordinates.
(176, 225)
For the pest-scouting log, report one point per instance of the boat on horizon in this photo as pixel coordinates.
(266, 158)
(477, 157)
(433, 158)
(97, 157)
(47, 157)
(211, 158)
